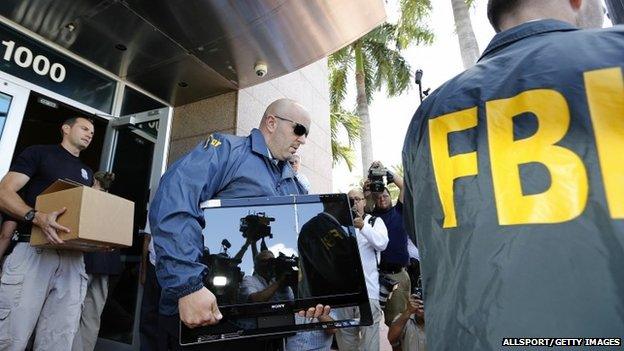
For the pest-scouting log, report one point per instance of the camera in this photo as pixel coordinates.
(418, 293)
(261, 68)
(386, 287)
(224, 274)
(256, 226)
(287, 266)
(375, 175)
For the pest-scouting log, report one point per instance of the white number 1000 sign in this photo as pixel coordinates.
(23, 57)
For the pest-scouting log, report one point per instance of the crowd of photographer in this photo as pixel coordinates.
(398, 269)
(372, 238)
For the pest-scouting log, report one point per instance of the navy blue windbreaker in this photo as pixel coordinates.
(224, 166)
(515, 190)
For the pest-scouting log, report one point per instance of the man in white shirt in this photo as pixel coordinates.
(372, 237)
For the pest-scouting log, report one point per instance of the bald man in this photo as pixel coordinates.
(513, 179)
(222, 166)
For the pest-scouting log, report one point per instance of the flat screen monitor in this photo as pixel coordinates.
(268, 258)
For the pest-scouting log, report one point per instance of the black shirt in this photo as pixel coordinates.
(45, 164)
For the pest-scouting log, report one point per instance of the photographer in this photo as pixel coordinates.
(395, 258)
(372, 237)
(263, 285)
(408, 329)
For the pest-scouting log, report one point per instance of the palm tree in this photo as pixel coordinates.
(377, 62)
(468, 45)
(349, 122)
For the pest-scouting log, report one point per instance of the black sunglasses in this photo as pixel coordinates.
(299, 128)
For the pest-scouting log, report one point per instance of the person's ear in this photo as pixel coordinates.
(65, 128)
(271, 123)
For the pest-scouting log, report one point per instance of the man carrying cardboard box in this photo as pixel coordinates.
(42, 290)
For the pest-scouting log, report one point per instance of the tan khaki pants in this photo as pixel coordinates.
(41, 291)
(397, 303)
(97, 291)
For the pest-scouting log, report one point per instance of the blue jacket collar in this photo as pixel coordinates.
(259, 146)
(525, 30)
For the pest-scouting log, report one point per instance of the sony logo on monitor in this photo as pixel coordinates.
(277, 306)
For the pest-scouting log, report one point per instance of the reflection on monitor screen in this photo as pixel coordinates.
(307, 249)
(268, 258)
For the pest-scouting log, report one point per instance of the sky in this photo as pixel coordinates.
(439, 61)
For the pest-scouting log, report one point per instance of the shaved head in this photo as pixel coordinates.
(278, 125)
(284, 107)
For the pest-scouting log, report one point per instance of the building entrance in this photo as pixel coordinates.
(132, 146)
(42, 121)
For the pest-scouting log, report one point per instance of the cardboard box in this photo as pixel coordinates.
(97, 220)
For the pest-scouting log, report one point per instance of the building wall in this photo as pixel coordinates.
(309, 86)
(195, 121)
(239, 112)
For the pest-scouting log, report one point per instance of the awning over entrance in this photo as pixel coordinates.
(187, 50)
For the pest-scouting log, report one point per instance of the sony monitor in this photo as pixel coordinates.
(269, 257)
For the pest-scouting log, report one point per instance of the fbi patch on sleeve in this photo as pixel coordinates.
(212, 141)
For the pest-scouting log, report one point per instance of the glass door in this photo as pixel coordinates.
(13, 99)
(137, 157)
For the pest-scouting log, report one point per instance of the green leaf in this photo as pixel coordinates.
(378, 55)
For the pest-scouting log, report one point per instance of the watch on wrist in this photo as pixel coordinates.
(30, 215)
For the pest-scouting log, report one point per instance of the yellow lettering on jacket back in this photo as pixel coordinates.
(448, 168)
(605, 97)
(567, 195)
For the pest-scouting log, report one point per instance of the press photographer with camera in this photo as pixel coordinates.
(265, 285)
(372, 238)
(395, 258)
(407, 331)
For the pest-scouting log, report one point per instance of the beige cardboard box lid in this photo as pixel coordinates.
(96, 219)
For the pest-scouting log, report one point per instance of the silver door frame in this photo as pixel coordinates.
(164, 117)
(8, 139)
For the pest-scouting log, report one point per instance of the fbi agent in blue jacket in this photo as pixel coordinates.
(515, 183)
(223, 166)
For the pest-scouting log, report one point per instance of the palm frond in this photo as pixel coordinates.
(350, 122)
(340, 65)
(393, 71)
(369, 77)
(342, 153)
(378, 57)
(409, 28)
